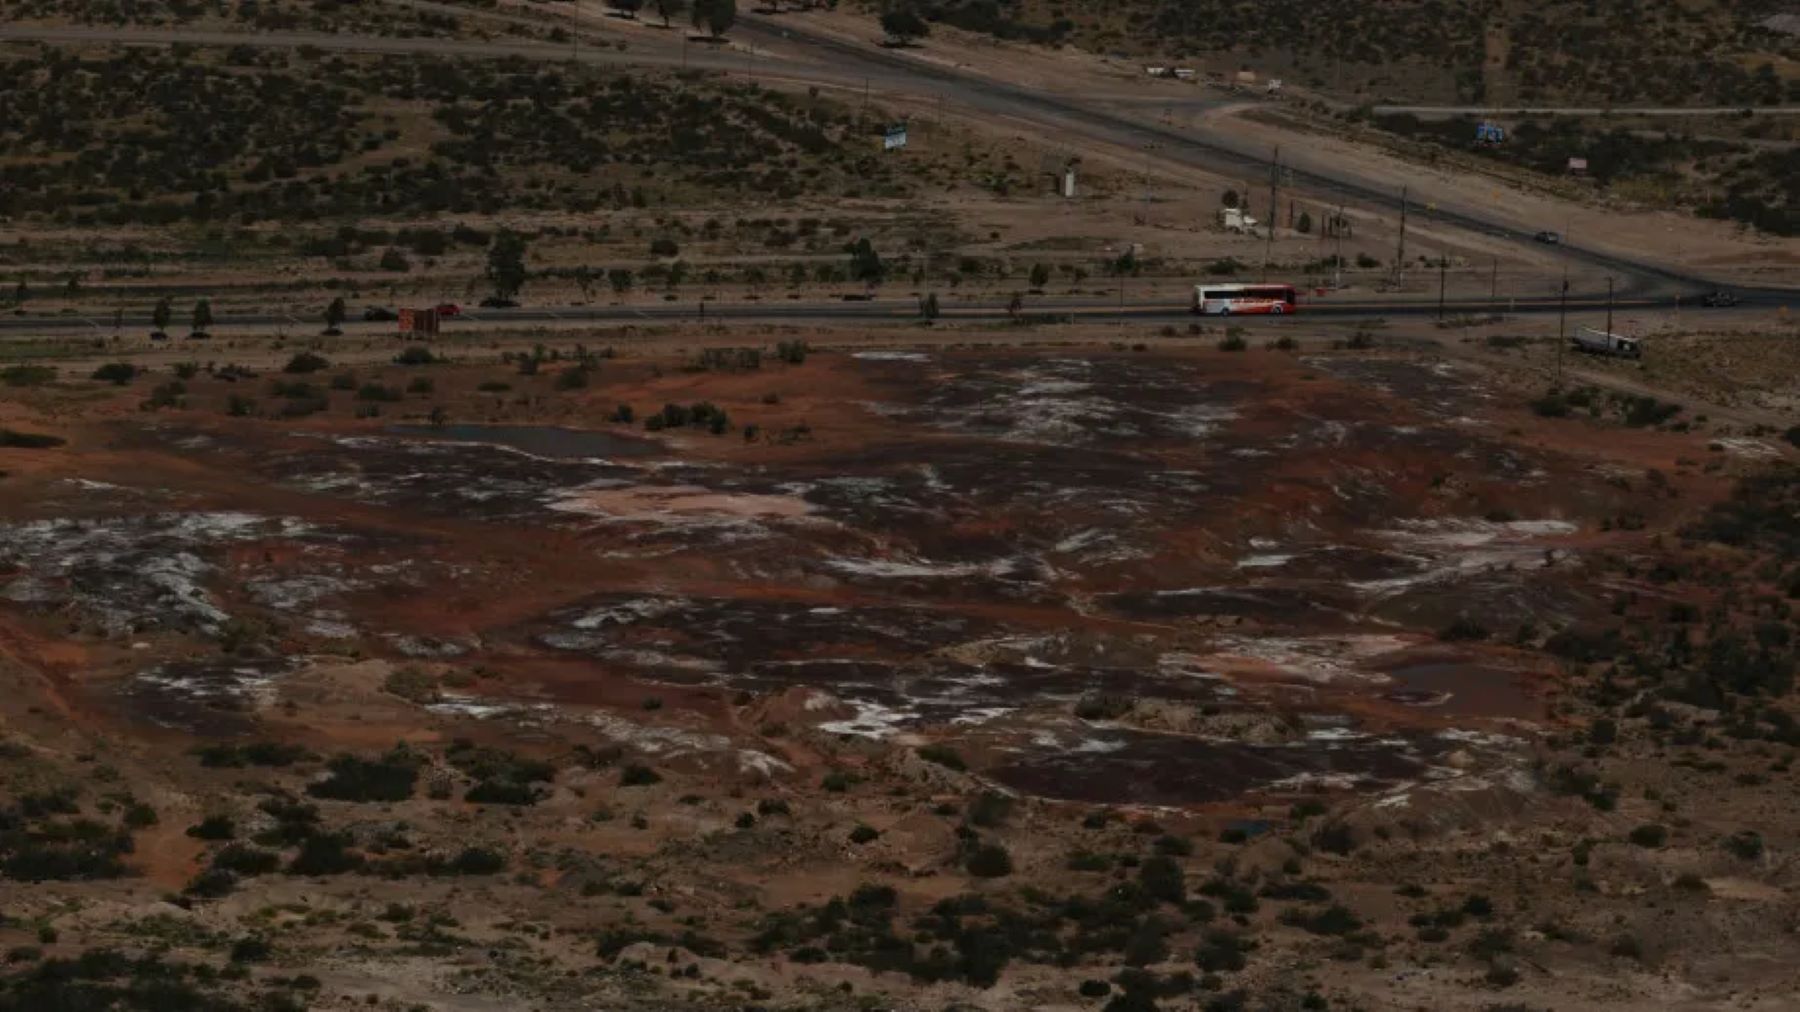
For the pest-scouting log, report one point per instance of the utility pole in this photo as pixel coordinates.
(1400, 253)
(1609, 305)
(1274, 181)
(1443, 277)
(1562, 326)
(1494, 281)
(1337, 227)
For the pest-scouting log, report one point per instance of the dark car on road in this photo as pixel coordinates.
(1720, 299)
(495, 302)
(1549, 238)
(379, 314)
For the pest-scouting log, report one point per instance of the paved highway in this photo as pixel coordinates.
(893, 310)
(803, 53)
(1442, 111)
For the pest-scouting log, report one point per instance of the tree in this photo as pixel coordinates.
(669, 8)
(1040, 276)
(506, 263)
(929, 309)
(716, 16)
(203, 315)
(865, 263)
(334, 315)
(904, 25)
(620, 278)
(161, 315)
(1304, 225)
(1230, 199)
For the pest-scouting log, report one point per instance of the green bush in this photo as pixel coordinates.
(325, 854)
(241, 859)
(13, 439)
(989, 861)
(116, 373)
(376, 392)
(477, 861)
(638, 776)
(1745, 845)
(390, 778)
(943, 755)
(305, 362)
(38, 375)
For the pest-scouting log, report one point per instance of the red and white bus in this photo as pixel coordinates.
(1234, 300)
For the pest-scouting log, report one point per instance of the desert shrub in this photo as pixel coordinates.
(1335, 838)
(35, 848)
(325, 854)
(989, 861)
(242, 859)
(211, 883)
(1304, 892)
(411, 684)
(1551, 405)
(13, 439)
(1649, 835)
(1103, 706)
(258, 753)
(305, 362)
(1336, 919)
(477, 861)
(376, 392)
(416, 354)
(38, 375)
(864, 834)
(213, 827)
(943, 755)
(1463, 629)
(1222, 951)
(389, 778)
(1745, 845)
(638, 776)
(501, 792)
(117, 373)
(1162, 880)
